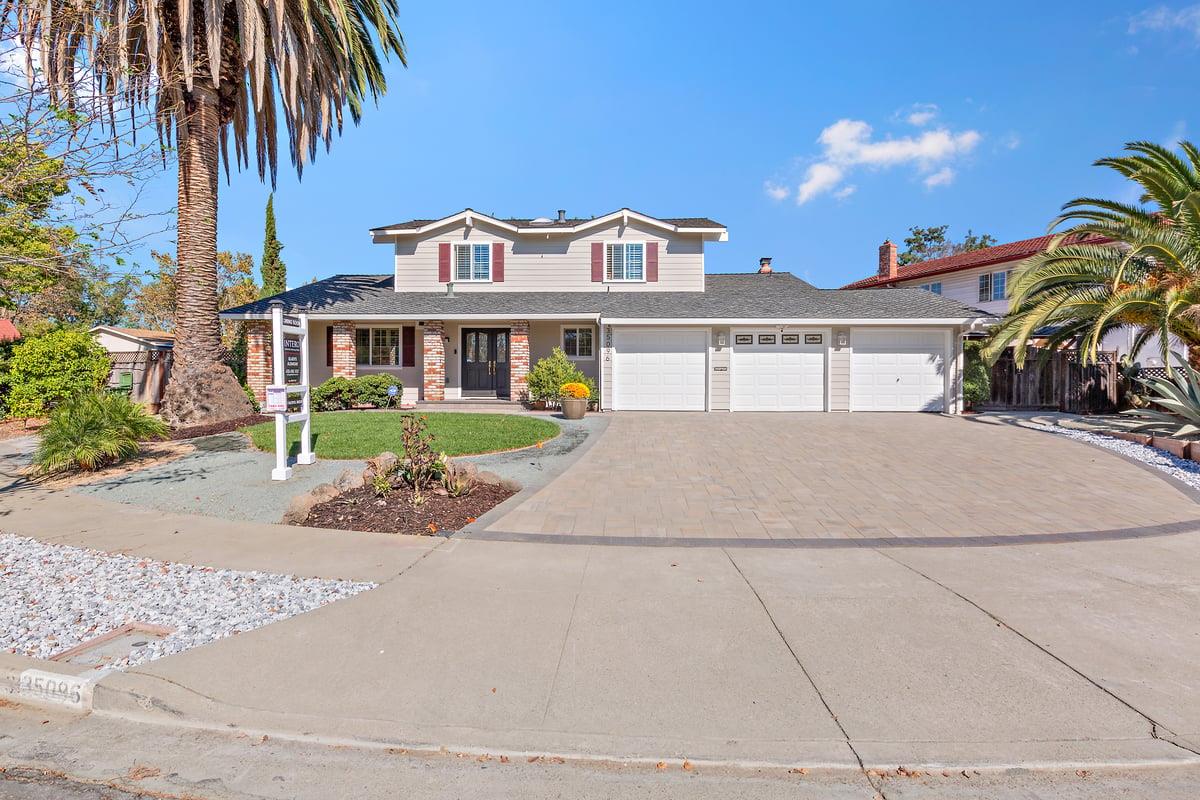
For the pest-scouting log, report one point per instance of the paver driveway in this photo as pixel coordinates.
(857, 478)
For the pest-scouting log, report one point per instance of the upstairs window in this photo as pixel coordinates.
(473, 262)
(625, 262)
(935, 287)
(993, 286)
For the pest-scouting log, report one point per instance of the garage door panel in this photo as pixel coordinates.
(772, 376)
(660, 370)
(897, 370)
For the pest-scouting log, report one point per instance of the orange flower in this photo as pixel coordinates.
(576, 390)
(432, 528)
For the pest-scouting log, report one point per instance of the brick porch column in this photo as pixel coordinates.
(433, 351)
(345, 362)
(518, 358)
(258, 357)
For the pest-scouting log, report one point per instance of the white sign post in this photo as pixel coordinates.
(289, 377)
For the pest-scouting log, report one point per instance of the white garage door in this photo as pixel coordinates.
(660, 370)
(775, 370)
(897, 370)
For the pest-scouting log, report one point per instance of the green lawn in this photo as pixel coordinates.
(364, 434)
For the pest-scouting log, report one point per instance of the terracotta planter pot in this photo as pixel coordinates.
(537, 405)
(574, 407)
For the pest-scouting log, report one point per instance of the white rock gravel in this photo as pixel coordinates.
(1184, 469)
(54, 597)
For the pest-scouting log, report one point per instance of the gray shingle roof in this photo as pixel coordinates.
(527, 222)
(779, 295)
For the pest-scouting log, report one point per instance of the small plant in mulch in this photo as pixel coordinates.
(422, 493)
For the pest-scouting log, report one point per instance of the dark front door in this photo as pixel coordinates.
(485, 362)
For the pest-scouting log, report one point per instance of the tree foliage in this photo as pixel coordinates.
(1121, 265)
(922, 244)
(154, 305)
(45, 370)
(274, 272)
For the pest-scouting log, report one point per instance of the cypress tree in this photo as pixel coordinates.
(274, 272)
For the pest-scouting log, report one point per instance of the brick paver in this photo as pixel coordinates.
(843, 476)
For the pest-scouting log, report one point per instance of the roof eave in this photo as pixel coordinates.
(390, 234)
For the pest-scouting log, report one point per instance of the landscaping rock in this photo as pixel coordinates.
(381, 464)
(510, 485)
(349, 479)
(301, 505)
(490, 478)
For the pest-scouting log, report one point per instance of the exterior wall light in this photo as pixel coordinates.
(720, 340)
(843, 339)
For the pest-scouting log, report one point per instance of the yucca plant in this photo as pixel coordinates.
(93, 430)
(1179, 395)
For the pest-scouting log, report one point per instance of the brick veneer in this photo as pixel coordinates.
(518, 358)
(345, 363)
(258, 357)
(433, 350)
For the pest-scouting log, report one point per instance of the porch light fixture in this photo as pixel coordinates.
(843, 339)
(720, 340)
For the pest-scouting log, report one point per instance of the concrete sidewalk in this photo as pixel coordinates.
(943, 658)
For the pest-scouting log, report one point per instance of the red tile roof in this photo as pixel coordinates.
(8, 331)
(1013, 251)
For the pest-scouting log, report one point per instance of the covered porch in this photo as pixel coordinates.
(434, 360)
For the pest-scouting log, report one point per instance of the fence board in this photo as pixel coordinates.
(1057, 380)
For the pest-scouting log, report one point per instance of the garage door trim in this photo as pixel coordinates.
(616, 352)
(827, 344)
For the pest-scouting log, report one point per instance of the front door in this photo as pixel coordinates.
(485, 362)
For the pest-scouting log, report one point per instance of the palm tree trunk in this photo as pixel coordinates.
(202, 389)
(198, 330)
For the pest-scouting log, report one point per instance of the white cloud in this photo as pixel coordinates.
(845, 191)
(921, 114)
(776, 191)
(943, 177)
(1163, 19)
(1011, 142)
(848, 144)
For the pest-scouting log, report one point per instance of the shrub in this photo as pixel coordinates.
(977, 378)
(92, 430)
(422, 466)
(575, 390)
(549, 375)
(253, 400)
(338, 393)
(46, 370)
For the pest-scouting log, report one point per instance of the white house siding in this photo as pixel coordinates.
(557, 263)
(718, 370)
(838, 373)
(318, 360)
(545, 335)
(119, 344)
(606, 366)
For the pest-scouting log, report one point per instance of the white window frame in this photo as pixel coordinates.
(624, 244)
(935, 287)
(470, 263)
(399, 329)
(991, 286)
(562, 341)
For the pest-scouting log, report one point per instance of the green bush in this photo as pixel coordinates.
(46, 370)
(253, 400)
(93, 429)
(340, 393)
(546, 379)
(977, 378)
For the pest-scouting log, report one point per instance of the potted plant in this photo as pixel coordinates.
(574, 400)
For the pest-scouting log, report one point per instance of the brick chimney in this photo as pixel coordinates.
(887, 259)
(764, 266)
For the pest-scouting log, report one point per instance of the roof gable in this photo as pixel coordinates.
(521, 225)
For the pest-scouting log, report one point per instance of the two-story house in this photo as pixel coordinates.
(981, 278)
(473, 300)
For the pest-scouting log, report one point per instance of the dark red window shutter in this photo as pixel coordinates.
(497, 262)
(597, 262)
(408, 347)
(444, 262)
(652, 262)
(329, 346)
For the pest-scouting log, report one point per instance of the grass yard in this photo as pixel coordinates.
(364, 434)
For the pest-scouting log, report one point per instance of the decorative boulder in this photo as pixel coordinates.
(490, 478)
(349, 480)
(301, 505)
(510, 485)
(382, 464)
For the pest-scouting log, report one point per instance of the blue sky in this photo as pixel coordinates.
(878, 116)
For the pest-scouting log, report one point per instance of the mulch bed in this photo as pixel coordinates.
(218, 427)
(361, 510)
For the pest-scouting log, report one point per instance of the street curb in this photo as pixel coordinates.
(48, 684)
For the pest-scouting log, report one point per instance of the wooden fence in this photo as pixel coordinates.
(148, 371)
(1062, 383)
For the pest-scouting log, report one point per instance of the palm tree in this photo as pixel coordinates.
(1119, 266)
(205, 68)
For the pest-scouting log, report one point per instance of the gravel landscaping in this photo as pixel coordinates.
(55, 597)
(1183, 469)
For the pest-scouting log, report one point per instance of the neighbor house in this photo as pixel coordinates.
(981, 278)
(141, 361)
(472, 300)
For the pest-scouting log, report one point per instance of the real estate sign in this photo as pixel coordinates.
(288, 394)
